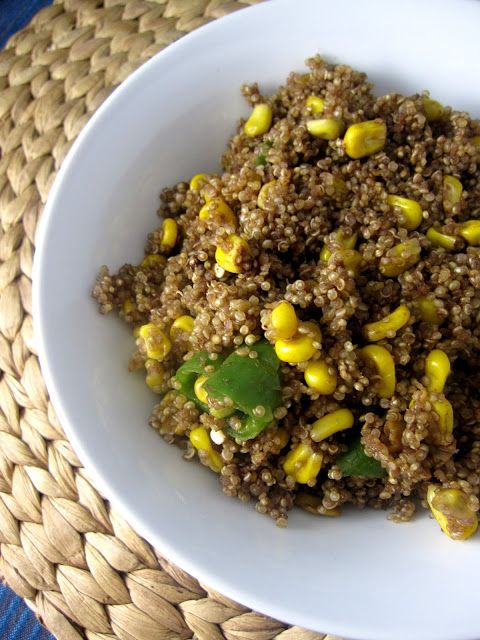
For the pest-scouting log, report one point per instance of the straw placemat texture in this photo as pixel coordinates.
(83, 570)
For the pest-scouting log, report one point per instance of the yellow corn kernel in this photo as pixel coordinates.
(155, 374)
(331, 423)
(264, 194)
(437, 369)
(374, 331)
(156, 343)
(439, 239)
(325, 254)
(259, 121)
(452, 512)
(365, 138)
(384, 365)
(311, 329)
(399, 258)
(340, 186)
(299, 349)
(335, 186)
(302, 463)
(393, 429)
(199, 390)
(432, 109)
(444, 410)
(151, 260)
(315, 103)
(452, 191)
(321, 377)
(326, 128)
(201, 441)
(352, 261)
(428, 310)
(411, 211)
(195, 181)
(229, 254)
(302, 346)
(219, 209)
(347, 243)
(127, 307)
(183, 324)
(170, 231)
(284, 321)
(136, 332)
(283, 437)
(312, 503)
(470, 231)
(166, 397)
(476, 140)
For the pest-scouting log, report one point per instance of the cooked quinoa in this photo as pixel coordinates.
(325, 250)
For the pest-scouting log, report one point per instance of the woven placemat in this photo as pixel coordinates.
(82, 569)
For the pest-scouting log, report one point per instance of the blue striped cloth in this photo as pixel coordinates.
(17, 621)
(14, 15)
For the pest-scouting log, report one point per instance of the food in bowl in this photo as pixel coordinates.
(310, 315)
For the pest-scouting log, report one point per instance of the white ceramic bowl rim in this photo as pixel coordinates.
(115, 169)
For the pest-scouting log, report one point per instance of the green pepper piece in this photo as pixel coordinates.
(266, 353)
(262, 158)
(196, 364)
(355, 462)
(188, 373)
(250, 428)
(249, 382)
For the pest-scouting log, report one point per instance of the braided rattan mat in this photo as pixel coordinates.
(79, 565)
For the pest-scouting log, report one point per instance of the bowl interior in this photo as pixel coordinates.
(352, 576)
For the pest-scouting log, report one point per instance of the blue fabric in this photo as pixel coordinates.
(17, 621)
(14, 15)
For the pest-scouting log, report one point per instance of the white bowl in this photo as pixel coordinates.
(358, 576)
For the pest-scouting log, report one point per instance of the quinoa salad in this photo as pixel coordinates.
(310, 316)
